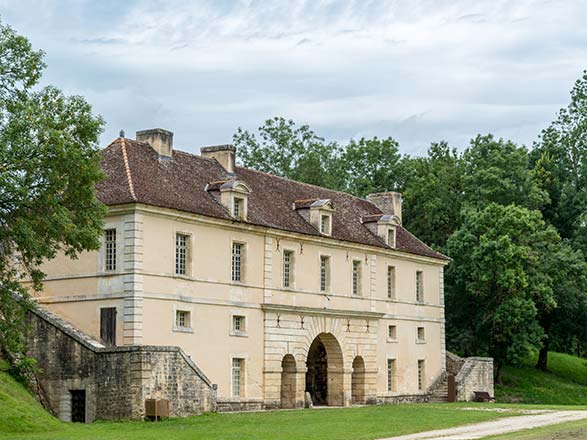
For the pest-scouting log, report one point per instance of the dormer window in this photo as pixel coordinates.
(391, 237)
(384, 226)
(238, 207)
(233, 195)
(325, 224)
(317, 212)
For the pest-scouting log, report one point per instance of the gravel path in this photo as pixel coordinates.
(500, 426)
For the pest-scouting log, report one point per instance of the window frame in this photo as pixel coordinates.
(325, 268)
(241, 376)
(391, 283)
(421, 374)
(420, 286)
(422, 330)
(390, 337)
(110, 249)
(187, 320)
(238, 207)
(325, 226)
(187, 253)
(240, 258)
(290, 265)
(391, 375)
(356, 277)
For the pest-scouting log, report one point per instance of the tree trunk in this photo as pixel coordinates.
(498, 374)
(542, 363)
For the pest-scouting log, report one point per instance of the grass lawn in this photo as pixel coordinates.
(565, 384)
(564, 431)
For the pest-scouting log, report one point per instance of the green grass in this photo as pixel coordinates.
(564, 431)
(19, 411)
(564, 384)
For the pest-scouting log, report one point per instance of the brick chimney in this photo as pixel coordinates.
(388, 202)
(160, 140)
(224, 155)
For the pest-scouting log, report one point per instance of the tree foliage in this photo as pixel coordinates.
(49, 164)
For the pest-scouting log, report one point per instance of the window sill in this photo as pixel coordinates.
(183, 329)
(392, 340)
(239, 334)
(182, 277)
(420, 341)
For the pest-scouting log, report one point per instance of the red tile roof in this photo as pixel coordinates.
(135, 173)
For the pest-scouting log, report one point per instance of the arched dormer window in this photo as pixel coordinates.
(387, 228)
(318, 212)
(234, 196)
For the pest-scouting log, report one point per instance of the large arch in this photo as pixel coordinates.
(324, 375)
(288, 381)
(358, 381)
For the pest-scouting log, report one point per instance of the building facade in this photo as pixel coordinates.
(274, 288)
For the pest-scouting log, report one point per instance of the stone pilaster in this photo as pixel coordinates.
(133, 279)
(443, 321)
(268, 269)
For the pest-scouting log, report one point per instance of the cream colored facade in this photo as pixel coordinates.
(278, 321)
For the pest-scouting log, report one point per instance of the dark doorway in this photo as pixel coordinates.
(108, 325)
(78, 406)
(317, 374)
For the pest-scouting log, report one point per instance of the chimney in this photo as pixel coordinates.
(388, 202)
(160, 140)
(224, 155)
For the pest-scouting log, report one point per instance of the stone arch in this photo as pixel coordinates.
(325, 371)
(358, 381)
(288, 381)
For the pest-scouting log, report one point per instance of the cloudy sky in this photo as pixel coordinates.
(417, 70)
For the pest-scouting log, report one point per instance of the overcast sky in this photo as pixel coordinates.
(416, 70)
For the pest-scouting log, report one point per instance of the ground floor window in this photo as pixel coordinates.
(390, 374)
(237, 376)
(421, 380)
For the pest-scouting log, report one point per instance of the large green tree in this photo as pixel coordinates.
(49, 164)
(290, 151)
(497, 282)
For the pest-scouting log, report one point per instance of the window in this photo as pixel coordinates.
(324, 273)
(237, 376)
(419, 286)
(391, 237)
(110, 249)
(392, 332)
(237, 261)
(238, 209)
(391, 282)
(421, 379)
(325, 224)
(421, 335)
(356, 277)
(287, 268)
(181, 253)
(390, 374)
(182, 319)
(238, 323)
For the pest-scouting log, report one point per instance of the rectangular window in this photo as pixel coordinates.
(356, 277)
(181, 253)
(238, 208)
(238, 323)
(392, 332)
(391, 282)
(324, 273)
(287, 268)
(419, 286)
(421, 335)
(237, 376)
(390, 374)
(182, 319)
(391, 237)
(325, 224)
(110, 256)
(421, 378)
(108, 325)
(237, 261)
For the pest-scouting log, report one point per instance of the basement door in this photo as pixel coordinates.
(78, 406)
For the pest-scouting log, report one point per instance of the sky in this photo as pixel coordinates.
(420, 71)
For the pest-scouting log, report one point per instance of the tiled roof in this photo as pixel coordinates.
(135, 173)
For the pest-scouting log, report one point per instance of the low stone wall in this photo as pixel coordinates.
(471, 374)
(117, 380)
(246, 405)
(404, 398)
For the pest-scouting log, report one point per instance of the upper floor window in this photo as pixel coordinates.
(325, 224)
(421, 336)
(237, 261)
(356, 277)
(181, 253)
(110, 255)
(419, 286)
(392, 332)
(182, 319)
(238, 208)
(391, 282)
(238, 323)
(324, 273)
(287, 268)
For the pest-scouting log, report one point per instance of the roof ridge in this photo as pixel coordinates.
(127, 169)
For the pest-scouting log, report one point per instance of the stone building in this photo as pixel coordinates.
(272, 287)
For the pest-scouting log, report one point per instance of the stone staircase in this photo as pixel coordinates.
(440, 392)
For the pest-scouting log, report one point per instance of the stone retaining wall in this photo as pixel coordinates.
(471, 374)
(117, 380)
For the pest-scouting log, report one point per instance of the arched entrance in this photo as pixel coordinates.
(288, 382)
(324, 377)
(358, 381)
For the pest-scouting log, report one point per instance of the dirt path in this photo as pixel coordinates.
(500, 426)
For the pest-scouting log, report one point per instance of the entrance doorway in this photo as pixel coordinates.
(324, 380)
(108, 325)
(288, 382)
(78, 406)
(358, 381)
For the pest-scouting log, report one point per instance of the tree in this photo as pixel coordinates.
(498, 171)
(560, 156)
(371, 166)
(49, 164)
(497, 282)
(285, 150)
(433, 195)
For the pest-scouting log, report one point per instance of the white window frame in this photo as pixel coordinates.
(391, 237)
(325, 226)
(391, 375)
(421, 374)
(325, 272)
(239, 207)
(290, 284)
(237, 390)
(391, 283)
(240, 258)
(356, 277)
(419, 286)
(110, 250)
(244, 332)
(391, 338)
(187, 254)
(185, 328)
(420, 331)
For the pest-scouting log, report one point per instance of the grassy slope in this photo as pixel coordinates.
(565, 384)
(564, 431)
(19, 411)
